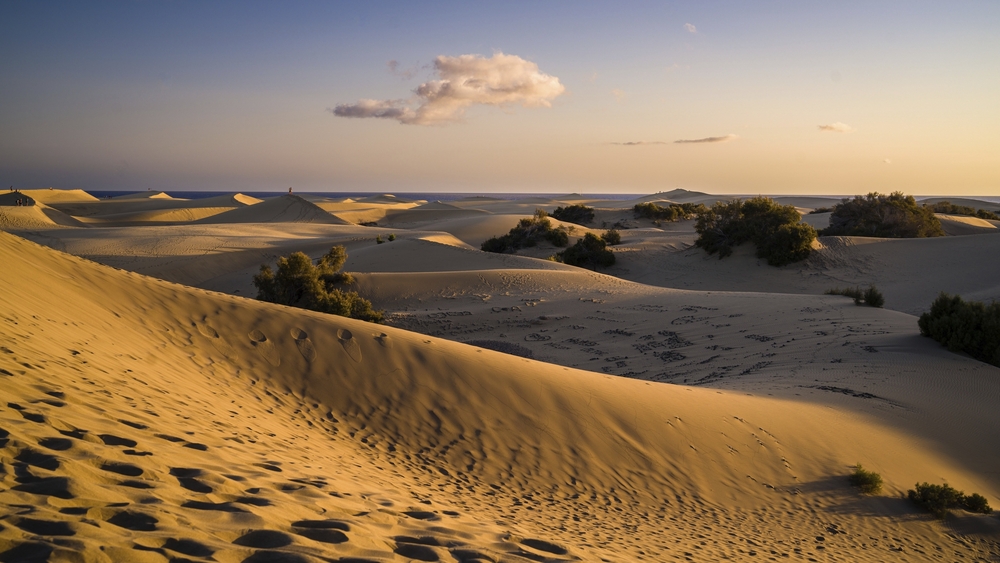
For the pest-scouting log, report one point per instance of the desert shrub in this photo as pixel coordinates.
(977, 503)
(392, 237)
(528, 232)
(378, 239)
(964, 326)
(869, 482)
(871, 296)
(588, 252)
(853, 292)
(949, 208)
(299, 283)
(875, 215)
(673, 212)
(776, 230)
(611, 237)
(579, 214)
(820, 210)
(939, 499)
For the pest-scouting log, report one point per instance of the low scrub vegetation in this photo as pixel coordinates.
(528, 232)
(875, 215)
(820, 210)
(869, 482)
(871, 296)
(611, 237)
(939, 499)
(300, 283)
(673, 212)
(579, 214)
(948, 208)
(776, 230)
(964, 326)
(589, 252)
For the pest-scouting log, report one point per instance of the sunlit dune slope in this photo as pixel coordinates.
(146, 420)
(282, 209)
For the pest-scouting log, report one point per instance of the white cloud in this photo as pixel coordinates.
(691, 28)
(837, 127)
(464, 81)
(722, 139)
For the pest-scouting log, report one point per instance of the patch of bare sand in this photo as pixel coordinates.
(281, 209)
(241, 431)
(959, 225)
(50, 195)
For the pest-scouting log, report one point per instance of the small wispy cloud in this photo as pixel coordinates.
(691, 28)
(618, 94)
(396, 69)
(464, 81)
(837, 127)
(722, 139)
(887, 161)
(638, 143)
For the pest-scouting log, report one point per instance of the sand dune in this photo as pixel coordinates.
(58, 196)
(968, 202)
(282, 209)
(243, 431)
(37, 216)
(958, 225)
(143, 195)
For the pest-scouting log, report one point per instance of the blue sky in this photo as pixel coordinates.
(235, 96)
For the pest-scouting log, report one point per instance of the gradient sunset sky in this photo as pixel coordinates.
(589, 97)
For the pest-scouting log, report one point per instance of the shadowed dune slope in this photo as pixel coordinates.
(150, 421)
(281, 209)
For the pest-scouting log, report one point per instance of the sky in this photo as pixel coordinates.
(833, 98)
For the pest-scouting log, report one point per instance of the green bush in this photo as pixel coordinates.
(528, 233)
(673, 212)
(871, 296)
(949, 208)
(876, 215)
(964, 326)
(392, 237)
(611, 237)
(820, 210)
(378, 239)
(579, 214)
(776, 230)
(977, 503)
(588, 252)
(299, 283)
(939, 499)
(869, 482)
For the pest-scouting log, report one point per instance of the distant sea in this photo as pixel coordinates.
(429, 196)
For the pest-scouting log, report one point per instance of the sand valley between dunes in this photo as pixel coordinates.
(674, 407)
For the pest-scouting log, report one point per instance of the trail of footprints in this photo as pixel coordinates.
(99, 490)
(65, 489)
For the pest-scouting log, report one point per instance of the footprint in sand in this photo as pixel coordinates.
(383, 339)
(213, 335)
(304, 345)
(265, 347)
(350, 345)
